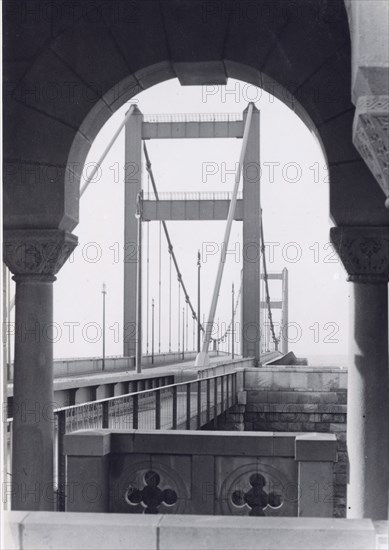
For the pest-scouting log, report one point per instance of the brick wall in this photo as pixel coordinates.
(296, 399)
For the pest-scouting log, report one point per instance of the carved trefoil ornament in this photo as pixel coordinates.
(371, 136)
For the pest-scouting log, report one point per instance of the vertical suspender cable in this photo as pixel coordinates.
(186, 325)
(170, 302)
(186, 295)
(179, 313)
(147, 272)
(274, 337)
(159, 288)
(194, 324)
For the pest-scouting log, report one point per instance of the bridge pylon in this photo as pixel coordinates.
(248, 209)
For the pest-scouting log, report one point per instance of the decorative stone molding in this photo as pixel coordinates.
(364, 252)
(38, 252)
(371, 136)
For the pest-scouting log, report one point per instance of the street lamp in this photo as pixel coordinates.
(233, 322)
(183, 333)
(104, 293)
(198, 302)
(152, 331)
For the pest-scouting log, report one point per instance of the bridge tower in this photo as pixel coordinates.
(248, 209)
(132, 187)
(251, 243)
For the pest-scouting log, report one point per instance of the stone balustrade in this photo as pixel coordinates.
(194, 472)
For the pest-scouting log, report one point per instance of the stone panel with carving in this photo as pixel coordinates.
(256, 486)
(371, 136)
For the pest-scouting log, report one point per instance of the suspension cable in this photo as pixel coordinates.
(106, 150)
(235, 310)
(274, 337)
(170, 246)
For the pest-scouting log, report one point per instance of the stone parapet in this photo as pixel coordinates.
(147, 532)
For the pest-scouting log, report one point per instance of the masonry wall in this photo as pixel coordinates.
(296, 399)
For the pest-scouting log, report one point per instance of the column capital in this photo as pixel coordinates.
(37, 252)
(371, 136)
(364, 252)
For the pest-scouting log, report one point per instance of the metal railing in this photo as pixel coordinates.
(185, 405)
(191, 196)
(193, 117)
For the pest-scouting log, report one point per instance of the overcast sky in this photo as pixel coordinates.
(295, 202)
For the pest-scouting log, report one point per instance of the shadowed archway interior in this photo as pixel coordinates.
(64, 82)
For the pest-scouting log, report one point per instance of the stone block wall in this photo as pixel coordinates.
(297, 399)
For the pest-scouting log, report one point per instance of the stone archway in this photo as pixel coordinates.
(69, 66)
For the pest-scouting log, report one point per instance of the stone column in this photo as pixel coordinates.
(34, 256)
(364, 252)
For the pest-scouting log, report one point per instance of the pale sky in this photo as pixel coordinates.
(295, 203)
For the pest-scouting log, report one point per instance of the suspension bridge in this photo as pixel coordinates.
(181, 389)
(147, 205)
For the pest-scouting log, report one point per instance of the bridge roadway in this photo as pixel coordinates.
(120, 377)
(204, 401)
(88, 416)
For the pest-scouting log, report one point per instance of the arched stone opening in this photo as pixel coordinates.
(70, 73)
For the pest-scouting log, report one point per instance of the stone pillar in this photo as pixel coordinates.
(132, 186)
(251, 243)
(315, 454)
(34, 256)
(364, 252)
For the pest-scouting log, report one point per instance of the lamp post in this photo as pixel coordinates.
(198, 303)
(232, 323)
(104, 293)
(183, 333)
(138, 347)
(152, 331)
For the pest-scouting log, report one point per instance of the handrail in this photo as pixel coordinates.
(108, 399)
(190, 195)
(116, 397)
(193, 117)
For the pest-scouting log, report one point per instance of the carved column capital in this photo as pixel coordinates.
(364, 252)
(37, 253)
(371, 136)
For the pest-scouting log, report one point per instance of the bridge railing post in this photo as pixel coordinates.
(135, 411)
(174, 422)
(222, 393)
(228, 391)
(215, 407)
(208, 400)
(188, 406)
(198, 404)
(105, 414)
(61, 461)
(234, 375)
(157, 409)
